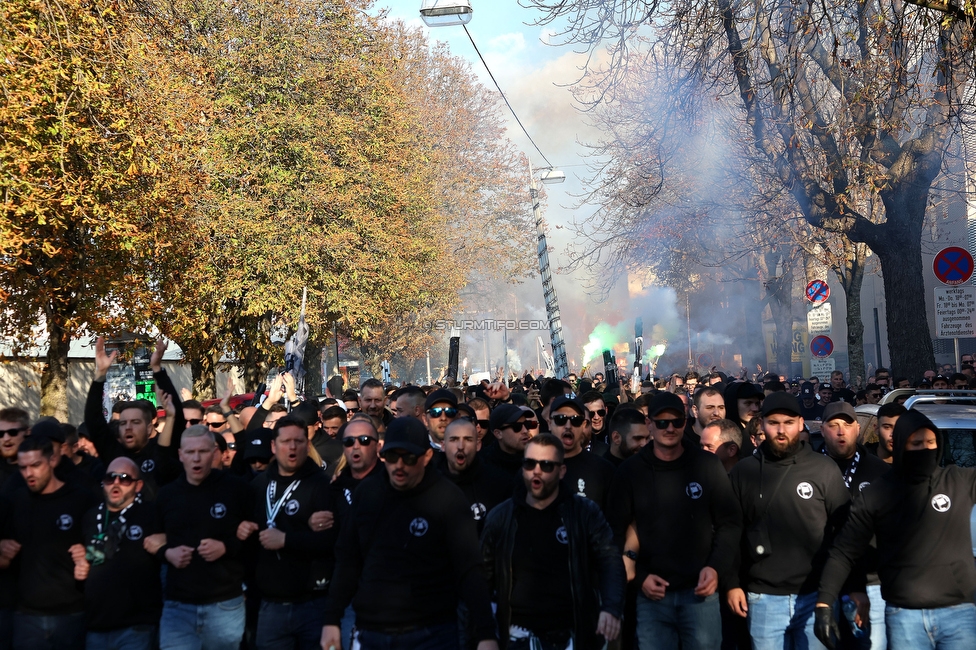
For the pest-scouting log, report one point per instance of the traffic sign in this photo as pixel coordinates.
(953, 265)
(705, 360)
(818, 291)
(821, 346)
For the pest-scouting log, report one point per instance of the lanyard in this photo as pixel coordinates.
(272, 509)
(851, 469)
(121, 517)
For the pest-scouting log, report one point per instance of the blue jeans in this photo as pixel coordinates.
(286, 626)
(946, 628)
(680, 619)
(139, 637)
(782, 622)
(217, 626)
(32, 632)
(879, 640)
(435, 637)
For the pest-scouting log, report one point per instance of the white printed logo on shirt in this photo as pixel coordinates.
(218, 511)
(479, 511)
(694, 490)
(805, 490)
(860, 488)
(292, 507)
(561, 535)
(418, 527)
(65, 522)
(134, 533)
(581, 487)
(941, 502)
(348, 494)
(148, 465)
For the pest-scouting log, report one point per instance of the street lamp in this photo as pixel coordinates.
(442, 13)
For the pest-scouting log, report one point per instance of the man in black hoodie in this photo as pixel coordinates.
(294, 563)
(919, 514)
(552, 564)
(793, 501)
(407, 551)
(484, 486)
(688, 526)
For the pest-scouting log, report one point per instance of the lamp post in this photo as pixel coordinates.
(442, 13)
(550, 176)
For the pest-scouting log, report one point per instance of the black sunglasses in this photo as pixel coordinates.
(484, 424)
(232, 446)
(216, 424)
(11, 432)
(394, 456)
(353, 410)
(124, 479)
(531, 424)
(559, 419)
(663, 424)
(364, 441)
(547, 466)
(598, 413)
(514, 426)
(194, 421)
(437, 411)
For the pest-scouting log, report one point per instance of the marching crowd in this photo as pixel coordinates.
(535, 514)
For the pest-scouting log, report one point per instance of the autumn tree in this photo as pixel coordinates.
(851, 105)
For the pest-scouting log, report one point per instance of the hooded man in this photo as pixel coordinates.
(919, 514)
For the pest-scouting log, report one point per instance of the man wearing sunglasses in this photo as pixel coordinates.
(14, 425)
(440, 410)
(484, 485)
(123, 593)
(553, 568)
(688, 526)
(407, 551)
(586, 472)
(597, 411)
(294, 561)
(507, 424)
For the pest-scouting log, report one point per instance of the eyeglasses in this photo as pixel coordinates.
(394, 456)
(560, 419)
(194, 421)
(663, 424)
(216, 424)
(125, 480)
(11, 432)
(547, 466)
(598, 413)
(514, 426)
(437, 411)
(531, 425)
(364, 441)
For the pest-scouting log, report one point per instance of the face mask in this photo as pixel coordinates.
(919, 465)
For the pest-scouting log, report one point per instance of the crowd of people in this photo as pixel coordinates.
(700, 512)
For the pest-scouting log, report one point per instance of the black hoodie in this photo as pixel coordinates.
(484, 486)
(921, 519)
(792, 507)
(302, 569)
(687, 516)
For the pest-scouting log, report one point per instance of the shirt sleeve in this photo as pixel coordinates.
(849, 545)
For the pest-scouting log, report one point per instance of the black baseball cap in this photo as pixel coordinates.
(665, 401)
(48, 428)
(504, 414)
(781, 402)
(807, 390)
(566, 400)
(258, 445)
(839, 410)
(408, 434)
(440, 395)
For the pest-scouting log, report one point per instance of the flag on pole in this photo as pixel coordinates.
(295, 349)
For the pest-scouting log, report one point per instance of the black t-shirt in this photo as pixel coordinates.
(590, 476)
(124, 590)
(613, 460)
(541, 592)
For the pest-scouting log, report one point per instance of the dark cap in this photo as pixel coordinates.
(780, 401)
(504, 414)
(743, 390)
(566, 400)
(940, 377)
(807, 391)
(407, 433)
(440, 395)
(48, 428)
(839, 410)
(307, 412)
(665, 401)
(258, 445)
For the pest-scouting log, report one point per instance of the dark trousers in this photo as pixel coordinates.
(435, 637)
(287, 626)
(63, 632)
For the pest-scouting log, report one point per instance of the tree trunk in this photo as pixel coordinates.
(313, 368)
(54, 378)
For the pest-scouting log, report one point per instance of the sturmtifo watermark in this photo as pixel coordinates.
(488, 324)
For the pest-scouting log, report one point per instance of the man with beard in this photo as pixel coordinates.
(888, 415)
(919, 513)
(123, 594)
(294, 562)
(708, 405)
(440, 409)
(586, 472)
(628, 433)
(157, 464)
(507, 423)
(688, 528)
(859, 468)
(14, 425)
(792, 503)
(556, 574)
(200, 513)
(410, 401)
(405, 554)
(484, 486)
(47, 539)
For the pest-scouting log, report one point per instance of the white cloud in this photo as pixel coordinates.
(510, 44)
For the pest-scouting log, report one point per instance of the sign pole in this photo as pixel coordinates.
(955, 342)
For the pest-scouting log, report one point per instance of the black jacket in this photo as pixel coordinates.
(595, 567)
(343, 488)
(303, 568)
(484, 486)
(791, 508)
(922, 528)
(687, 516)
(406, 556)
